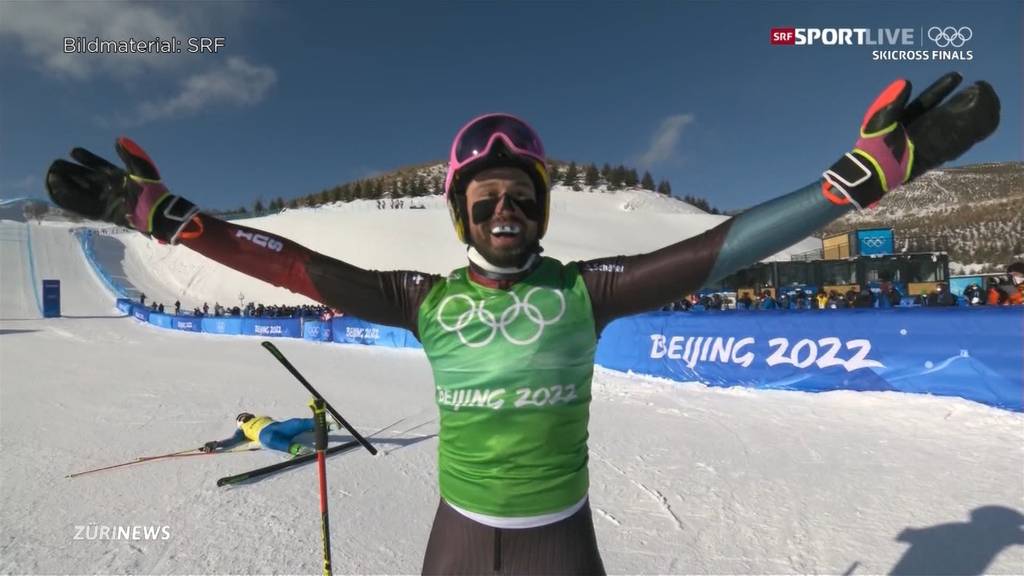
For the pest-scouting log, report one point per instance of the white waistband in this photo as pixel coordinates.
(520, 521)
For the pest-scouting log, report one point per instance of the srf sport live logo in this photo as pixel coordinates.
(925, 43)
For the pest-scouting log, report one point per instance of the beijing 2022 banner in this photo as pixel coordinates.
(975, 353)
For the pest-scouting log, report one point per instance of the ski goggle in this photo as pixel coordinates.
(482, 210)
(476, 138)
(243, 418)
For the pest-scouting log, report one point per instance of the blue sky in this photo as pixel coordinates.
(304, 96)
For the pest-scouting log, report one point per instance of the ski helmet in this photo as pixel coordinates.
(243, 418)
(491, 141)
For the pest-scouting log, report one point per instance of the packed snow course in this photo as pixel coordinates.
(684, 478)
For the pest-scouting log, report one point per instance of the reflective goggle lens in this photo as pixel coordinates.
(483, 209)
(474, 138)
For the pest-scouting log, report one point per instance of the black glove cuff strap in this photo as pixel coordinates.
(853, 177)
(172, 215)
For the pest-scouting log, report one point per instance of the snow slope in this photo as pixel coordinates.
(583, 225)
(685, 479)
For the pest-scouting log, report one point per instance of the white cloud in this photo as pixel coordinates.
(40, 29)
(236, 82)
(663, 144)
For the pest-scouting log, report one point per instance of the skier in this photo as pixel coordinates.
(269, 433)
(511, 337)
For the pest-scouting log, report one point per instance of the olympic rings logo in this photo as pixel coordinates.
(873, 242)
(500, 322)
(950, 36)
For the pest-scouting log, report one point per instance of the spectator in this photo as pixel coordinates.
(206, 308)
(851, 298)
(835, 301)
(177, 307)
(973, 295)
(943, 297)
(864, 298)
(160, 308)
(888, 295)
(1015, 297)
(995, 295)
(745, 302)
(922, 298)
(821, 299)
(766, 302)
(142, 298)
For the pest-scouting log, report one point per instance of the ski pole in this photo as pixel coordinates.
(284, 362)
(143, 459)
(138, 460)
(320, 430)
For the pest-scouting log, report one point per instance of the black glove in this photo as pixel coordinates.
(210, 446)
(899, 141)
(96, 189)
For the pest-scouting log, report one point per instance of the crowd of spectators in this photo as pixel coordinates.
(1008, 291)
(252, 310)
(998, 292)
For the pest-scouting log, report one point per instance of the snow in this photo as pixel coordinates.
(583, 225)
(684, 478)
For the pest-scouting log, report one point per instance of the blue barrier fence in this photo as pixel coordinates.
(975, 353)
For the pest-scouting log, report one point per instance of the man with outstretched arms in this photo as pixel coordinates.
(511, 337)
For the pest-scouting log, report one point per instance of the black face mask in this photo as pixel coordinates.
(483, 210)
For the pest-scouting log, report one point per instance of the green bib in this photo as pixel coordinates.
(512, 370)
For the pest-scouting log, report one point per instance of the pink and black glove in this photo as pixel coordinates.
(133, 197)
(899, 141)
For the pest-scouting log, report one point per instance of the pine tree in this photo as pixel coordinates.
(606, 173)
(665, 188)
(631, 179)
(571, 175)
(647, 182)
(257, 208)
(591, 177)
(553, 173)
(616, 177)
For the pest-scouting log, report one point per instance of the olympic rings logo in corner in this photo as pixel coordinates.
(500, 322)
(950, 36)
(873, 241)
